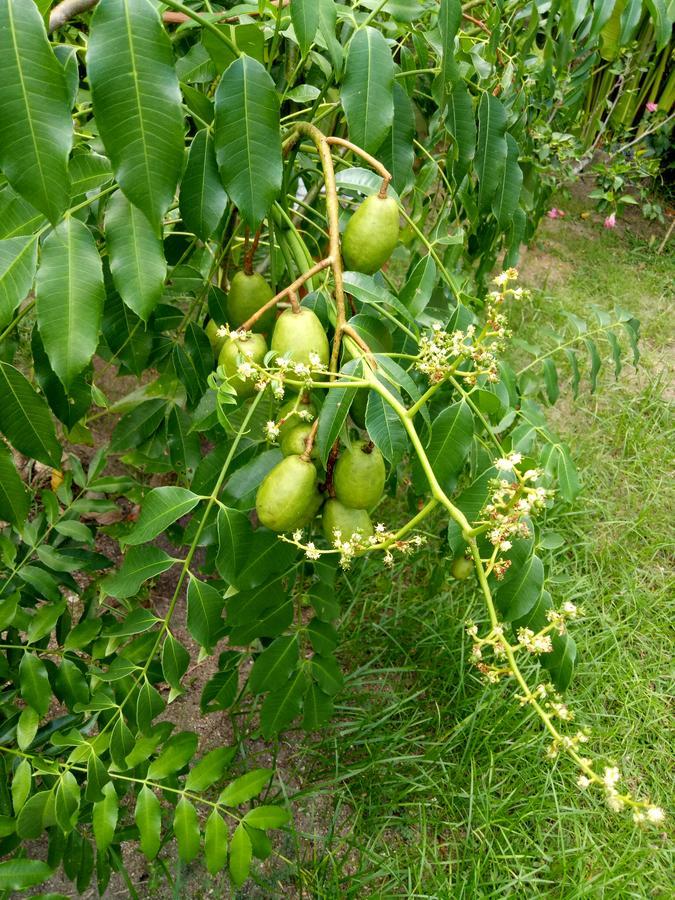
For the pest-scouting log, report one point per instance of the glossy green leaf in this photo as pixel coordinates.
(248, 138)
(26, 727)
(136, 256)
(161, 508)
(24, 418)
(246, 787)
(30, 822)
(449, 18)
(305, 19)
(148, 817)
(517, 594)
(36, 129)
(175, 661)
(397, 152)
(70, 684)
(450, 442)
(491, 149)
(14, 498)
(551, 380)
(561, 661)
(21, 785)
(176, 754)
(461, 126)
(104, 817)
(506, 198)
(241, 853)
(202, 195)
(18, 261)
(34, 683)
(67, 802)
(385, 428)
(267, 817)
(368, 89)
(274, 665)
(662, 20)
(205, 605)
(335, 410)
(149, 705)
(209, 769)
(137, 101)
(318, 708)
(327, 673)
(283, 705)
(69, 297)
(186, 830)
(138, 565)
(470, 501)
(97, 779)
(21, 874)
(88, 171)
(215, 843)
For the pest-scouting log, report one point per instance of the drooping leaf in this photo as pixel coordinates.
(506, 198)
(139, 564)
(202, 196)
(248, 138)
(25, 419)
(68, 406)
(274, 665)
(205, 606)
(241, 853)
(215, 843)
(368, 89)
(451, 437)
(67, 802)
(491, 149)
(34, 683)
(449, 17)
(148, 817)
(26, 727)
(161, 508)
(186, 830)
(14, 498)
(104, 816)
(177, 753)
(36, 129)
(21, 874)
(335, 410)
(69, 298)
(318, 708)
(137, 261)
(137, 101)
(18, 261)
(385, 428)
(283, 705)
(397, 152)
(517, 594)
(175, 661)
(560, 662)
(305, 19)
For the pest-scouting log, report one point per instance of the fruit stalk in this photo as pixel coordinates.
(372, 162)
(291, 289)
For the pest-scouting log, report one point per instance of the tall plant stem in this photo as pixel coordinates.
(372, 162)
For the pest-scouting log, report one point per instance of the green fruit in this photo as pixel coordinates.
(216, 340)
(253, 348)
(247, 294)
(348, 521)
(371, 235)
(358, 477)
(288, 497)
(293, 441)
(289, 416)
(299, 334)
(461, 568)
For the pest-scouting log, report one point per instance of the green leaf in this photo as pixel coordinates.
(149, 705)
(97, 779)
(215, 843)
(88, 171)
(30, 821)
(139, 565)
(20, 874)
(283, 705)
(662, 20)
(305, 19)
(21, 784)
(176, 754)
(318, 708)
(248, 138)
(551, 380)
(247, 558)
(26, 727)
(491, 149)
(138, 425)
(69, 298)
(17, 216)
(450, 442)
(471, 500)
(36, 129)
(274, 665)
(368, 89)
(34, 683)
(596, 363)
(67, 802)
(385, 428)
(24, 418)
(397, 152)
(148, 817)
(161, 508)
(136, 254)
(327, 673)
(241, 853)
(137, 101)
(449, 17)
(18, 261)
(560, 662)
(246, 787)
(506, 198)
(175, 662)
(335, 410)
(70, 684)
(104, 817)
(267, 817)
(202, 196)
(209, 769)
(205, 606)
(517, 594)
(14, 498)
(186, 830)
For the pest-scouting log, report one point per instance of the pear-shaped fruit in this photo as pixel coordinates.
(216, 340)
(247, 294)
(461, 568)
(294, 441)
(293, 413)
(371, 234)
(288, 497)
(297, 335)
(359, 475)
(337, 516)
(252, 348)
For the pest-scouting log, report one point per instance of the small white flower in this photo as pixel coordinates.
(311, 552)
(297, 535)
(655, 815)
(388, 559)
(245, 370)
(504, 465)
(611, 777)
(583, 782)
(301, 369)
(380, 528)
(272, 430)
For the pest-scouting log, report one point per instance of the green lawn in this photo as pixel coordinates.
(432, 784)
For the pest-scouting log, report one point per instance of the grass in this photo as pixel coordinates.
(434, 785)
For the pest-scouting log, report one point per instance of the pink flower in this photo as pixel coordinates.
(610, 221)
(651, 106)
(554, 213)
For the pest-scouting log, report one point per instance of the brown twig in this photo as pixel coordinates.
(372, 162)
(317, 267)
(309, 441)
(177, 18)
(68, 9)
(330, 466)
(356, 337)
(293, 297)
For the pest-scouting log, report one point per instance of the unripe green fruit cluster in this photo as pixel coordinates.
(371, 234)
(247, 294)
